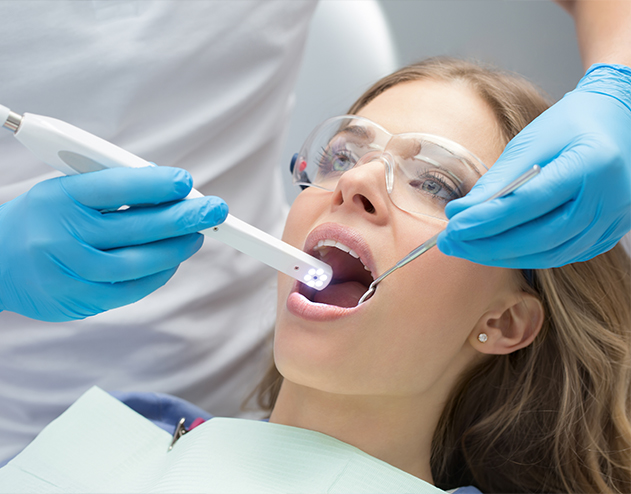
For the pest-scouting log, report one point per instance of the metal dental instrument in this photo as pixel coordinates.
(72, 151)
(421, 249)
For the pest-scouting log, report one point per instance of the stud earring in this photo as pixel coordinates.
(482, 337)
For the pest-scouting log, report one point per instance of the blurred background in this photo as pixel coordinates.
(352, 43)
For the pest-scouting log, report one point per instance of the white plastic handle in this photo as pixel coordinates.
(270, 250)
(73, 151)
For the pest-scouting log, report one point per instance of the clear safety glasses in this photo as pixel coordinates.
(423, 172)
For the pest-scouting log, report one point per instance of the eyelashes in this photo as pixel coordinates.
(332, 160)
(436, 184)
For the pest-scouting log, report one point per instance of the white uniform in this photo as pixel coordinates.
(202, 85)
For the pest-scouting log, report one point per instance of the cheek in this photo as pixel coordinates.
(291, 232)
(440, 298)
(439, 288)
(432, 310)
(452, 290)
(303, 216)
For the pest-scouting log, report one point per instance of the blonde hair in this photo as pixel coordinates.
(554, 416)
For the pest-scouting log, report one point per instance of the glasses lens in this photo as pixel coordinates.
(428, 171)
(335, 147)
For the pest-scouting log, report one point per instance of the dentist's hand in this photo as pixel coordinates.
(580, 204)
(62, 259)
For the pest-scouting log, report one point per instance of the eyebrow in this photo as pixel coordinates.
(460, 162)
(355, 130)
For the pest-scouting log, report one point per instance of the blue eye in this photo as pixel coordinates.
(432, 186)
(435, 185)
(335, 160)
(341, 163)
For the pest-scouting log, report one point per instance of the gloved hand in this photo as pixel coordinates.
(579, 206)
(63, 259)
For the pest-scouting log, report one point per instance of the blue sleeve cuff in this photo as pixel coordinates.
(610, 80)
(163, 410)
(466, 490)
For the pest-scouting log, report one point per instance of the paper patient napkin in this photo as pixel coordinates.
(101, 445)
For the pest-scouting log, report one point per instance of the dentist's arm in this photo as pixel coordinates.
(62, 259)
(580, 204)
(603, 29)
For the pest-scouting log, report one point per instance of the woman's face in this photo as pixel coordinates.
(418, 331)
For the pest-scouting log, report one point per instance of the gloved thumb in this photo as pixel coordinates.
(529, 147)
(490, 183)
(115, 187)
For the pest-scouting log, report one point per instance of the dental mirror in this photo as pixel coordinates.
(421, 249)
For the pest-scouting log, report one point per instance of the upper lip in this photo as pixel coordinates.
(345, 235)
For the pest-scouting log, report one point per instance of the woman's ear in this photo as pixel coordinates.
(504, 331)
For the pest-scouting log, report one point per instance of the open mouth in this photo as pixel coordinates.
(351, 278)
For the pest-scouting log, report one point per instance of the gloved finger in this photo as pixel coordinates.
(106, 296)
(490, 183)
(471, 251)
(131, 291)
(98, 297)
(524, 151)
(549, 232)
(568, 252)
(132, 263)
(143, 225)
(552, 188)
(116, 187)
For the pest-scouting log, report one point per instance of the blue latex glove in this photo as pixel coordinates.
(62, 259)
(579, 206)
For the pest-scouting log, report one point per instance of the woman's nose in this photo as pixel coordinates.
(363, 189)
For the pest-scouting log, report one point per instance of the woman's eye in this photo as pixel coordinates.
(435, 186)
(341, 163)
(332, 160)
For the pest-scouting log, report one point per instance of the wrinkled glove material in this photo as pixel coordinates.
(578, 207)
(63, 258)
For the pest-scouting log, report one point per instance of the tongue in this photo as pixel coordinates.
(342, 294)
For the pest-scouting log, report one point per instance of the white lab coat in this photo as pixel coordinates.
(202, 85)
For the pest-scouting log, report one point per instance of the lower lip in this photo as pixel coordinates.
(301, 306)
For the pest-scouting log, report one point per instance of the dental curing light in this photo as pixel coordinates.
(428, 244)
(72, 151)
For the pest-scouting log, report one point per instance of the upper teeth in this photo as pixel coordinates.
(322, 244)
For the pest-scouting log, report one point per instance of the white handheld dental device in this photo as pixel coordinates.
(428, 244)
(72, 151)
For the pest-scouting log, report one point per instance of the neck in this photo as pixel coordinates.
(395, 430)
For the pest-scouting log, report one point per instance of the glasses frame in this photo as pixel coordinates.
(301, 159)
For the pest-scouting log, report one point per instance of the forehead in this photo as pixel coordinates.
(448, 109)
